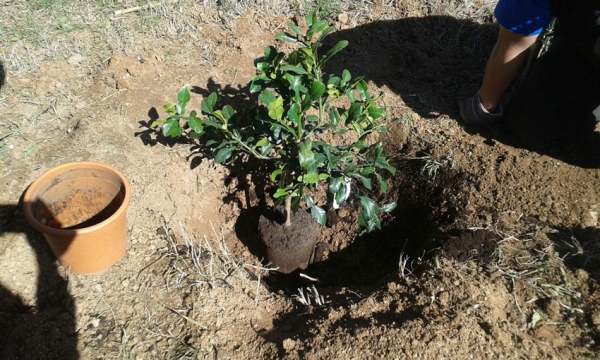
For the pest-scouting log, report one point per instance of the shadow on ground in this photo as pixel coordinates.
(45, 330)
(580, 247)
(433, 62)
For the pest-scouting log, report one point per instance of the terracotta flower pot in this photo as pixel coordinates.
(81, 210)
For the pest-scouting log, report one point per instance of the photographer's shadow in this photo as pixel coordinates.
(429, 62)
(433, 62)
(46, 328)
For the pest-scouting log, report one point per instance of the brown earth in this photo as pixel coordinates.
(491, 253)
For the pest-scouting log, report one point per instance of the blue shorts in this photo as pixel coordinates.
(524, 17)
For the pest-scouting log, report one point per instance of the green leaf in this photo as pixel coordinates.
(266, 97)
(333, 80)
(270, 53)
(223, 155)
(196, 135)
(257, 85)
(340, 195)
(367, 170)
(208, 104)
(354, 112)
(296, 203)
(365, 180)
(276, 173)
(350, 95)
(334, 116)
(308, 53)
(336, 49)
(276, 109)
(182, 99)
(361, 144)
(288, 38)
(281, 193)
(324, 34)
(335, 184)
(365, 221)
(345, 78)
(312, 118)
(170, 109)
(388, 207)
(315, 28)
(368, 206)
(317, 89)
(296, 85)
(293, 114)
(311, 19)
(196, 124)
(267, 149)
(317, 213)
(171, 128)
(219, 115)
(363, 89)
(311, 178)
(295, 69)
(157, 123)
(228, 112)
(306, 156)
(262, 67)
(382, 183)
(376, 113)
(262, 142)
(295, 29)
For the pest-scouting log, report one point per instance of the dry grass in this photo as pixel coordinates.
(534, 268)
(33, 32)
(206, 262)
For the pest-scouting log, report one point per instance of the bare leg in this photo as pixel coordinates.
(505, 60)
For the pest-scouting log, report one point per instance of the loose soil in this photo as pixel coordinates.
(492, 251)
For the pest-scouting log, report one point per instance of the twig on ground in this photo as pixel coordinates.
(308, 277)
(138, 8)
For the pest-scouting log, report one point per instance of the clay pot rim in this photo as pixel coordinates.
(32, 190)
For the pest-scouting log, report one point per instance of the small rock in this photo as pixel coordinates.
(553, 310)
(590, 217)
(95, 322)
(289, 344)
(444, 298)
(343, 18)
(75, 59)
(582, 275)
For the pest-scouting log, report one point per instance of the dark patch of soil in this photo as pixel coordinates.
(479, 244)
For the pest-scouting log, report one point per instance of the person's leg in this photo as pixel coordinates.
(521, 22)
(503, 65)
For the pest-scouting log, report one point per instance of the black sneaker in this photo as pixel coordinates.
(473, 113)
